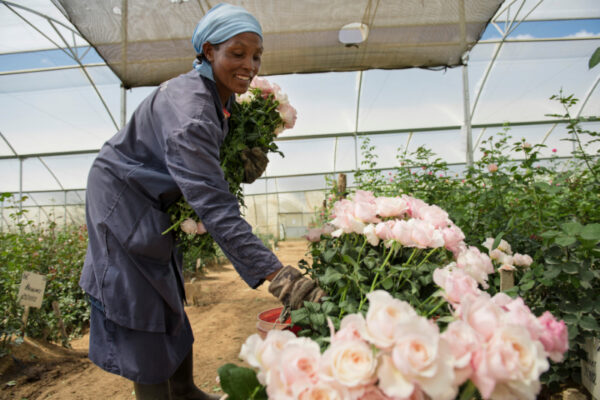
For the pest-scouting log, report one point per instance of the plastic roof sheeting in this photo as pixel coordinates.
(146, 42)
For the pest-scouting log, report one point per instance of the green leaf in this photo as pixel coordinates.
(549, 234)
(589, 323)
(570, 268)
(387, 283)
(329, 254)
(238, 382)
(572, 228)
(565, 241)
(591, 232)
(351, 261)
(331, 276)
(497, 240)
(552, 272)
(594, 59)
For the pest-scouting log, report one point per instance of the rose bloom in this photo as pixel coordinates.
(383, 230)
(344, 218)
(298, 368)
(314, 235)
(492, 167)
(370, 234)
(201, 229)
(262, 84)
(349, 362)
(526, 145)
(434, 215)
(365, 208)
(414, 205)
(384, 314)
(476, 264)
(522, 260)
(189, 226)
(418, 359)
(391, 206)
(455, 282)
(517, 312)
(350, 328)
(502, 246)
(453, 239)
(265, 354)
(510, 365)
(481, 313)
(554, 336)
(324, 391)
(463, 341)
(288, 114)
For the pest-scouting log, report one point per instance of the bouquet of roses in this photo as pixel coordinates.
(257, 118)
(433, 333)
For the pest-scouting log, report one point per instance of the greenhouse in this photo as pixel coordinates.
(487, 109)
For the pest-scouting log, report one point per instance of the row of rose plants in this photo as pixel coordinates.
(47, 249)
(546, 208)
(404, 291)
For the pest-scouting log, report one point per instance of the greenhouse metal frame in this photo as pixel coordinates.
(284, 199)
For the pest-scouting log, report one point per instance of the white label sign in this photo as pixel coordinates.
(590, 369)
(31, 291)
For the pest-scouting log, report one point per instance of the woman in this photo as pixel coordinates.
(169, 148)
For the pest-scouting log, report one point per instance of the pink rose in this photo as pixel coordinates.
(418, 359)
(434, 215)
(324, 391)
(510, 364)
(383, 230)
(262, 84)
(314, 235)
(482, 314)
(414, 205)
(365, 208)
(476, 264)
(200, 229)
(288, 115)
(464, 341)
(344, 218)
(265, 354)
(522, 260)
(492, 167)
(298, 368)
(349, 362)
(456, 283)
(371, 235)
(391, 206)
(384, 314)
(554, 336)
(453, 239)
(426, 235)
(350, 328)
(518, 313)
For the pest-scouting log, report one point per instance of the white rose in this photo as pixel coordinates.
(384, 314)
(189, 226)
(349, 362)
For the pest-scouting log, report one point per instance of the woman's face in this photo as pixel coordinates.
(234, 63)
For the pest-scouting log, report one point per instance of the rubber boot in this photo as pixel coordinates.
(182, 383)
(158, 391)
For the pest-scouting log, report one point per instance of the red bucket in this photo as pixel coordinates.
(268, 320)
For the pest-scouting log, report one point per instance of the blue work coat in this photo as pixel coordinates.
(169, 147)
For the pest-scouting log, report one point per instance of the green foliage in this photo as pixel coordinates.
(55, 252)
(594, 59)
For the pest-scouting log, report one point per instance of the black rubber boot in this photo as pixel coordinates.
(158, 391)
(182, 383)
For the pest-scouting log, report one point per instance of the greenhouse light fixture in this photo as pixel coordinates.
(354, 33)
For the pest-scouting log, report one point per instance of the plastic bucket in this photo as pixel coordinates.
(267, 321)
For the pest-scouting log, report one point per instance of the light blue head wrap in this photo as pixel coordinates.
(221, 23)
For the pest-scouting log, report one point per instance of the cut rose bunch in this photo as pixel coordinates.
(257, 118)
(493, 344)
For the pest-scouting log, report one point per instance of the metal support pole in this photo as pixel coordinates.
(65, 209)
(360, 77)
(20, 185)
(123, 106)
(466, 128)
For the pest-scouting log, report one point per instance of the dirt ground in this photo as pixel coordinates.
(223, 315)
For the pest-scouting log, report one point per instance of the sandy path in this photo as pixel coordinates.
(223, 317)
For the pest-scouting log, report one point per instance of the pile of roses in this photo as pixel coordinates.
(494, 344)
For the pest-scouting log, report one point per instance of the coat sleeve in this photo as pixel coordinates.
(192, 156)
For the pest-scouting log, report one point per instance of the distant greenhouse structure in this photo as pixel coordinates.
(66, 88)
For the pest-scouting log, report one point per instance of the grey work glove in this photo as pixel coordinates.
(293, 289)
(255, 162)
